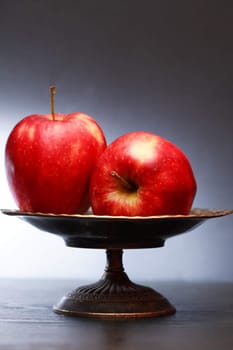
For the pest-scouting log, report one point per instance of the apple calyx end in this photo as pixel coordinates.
(129, 186)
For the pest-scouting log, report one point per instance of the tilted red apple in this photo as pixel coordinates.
(142, 174)
(49, 160)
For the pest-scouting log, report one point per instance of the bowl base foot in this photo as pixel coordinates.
(140, 302)
(114, 296)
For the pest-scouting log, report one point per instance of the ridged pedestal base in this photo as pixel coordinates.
(114, 296)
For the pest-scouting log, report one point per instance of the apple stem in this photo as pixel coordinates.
(131, 187)
(52, 94)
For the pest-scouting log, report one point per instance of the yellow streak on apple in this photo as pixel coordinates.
(21, 129)
(143, 152)
(123, 198)
(31, 132)
(92, 128)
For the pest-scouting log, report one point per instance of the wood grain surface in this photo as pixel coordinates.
(204, 319)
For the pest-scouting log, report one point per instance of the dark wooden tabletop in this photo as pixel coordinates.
(204, 319)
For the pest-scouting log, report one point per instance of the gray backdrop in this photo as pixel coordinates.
(162, 66)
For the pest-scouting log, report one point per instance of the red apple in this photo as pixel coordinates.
(142, 174)
(49, 160)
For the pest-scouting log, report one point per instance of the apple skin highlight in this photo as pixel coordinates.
(159, 173)
(49, 162)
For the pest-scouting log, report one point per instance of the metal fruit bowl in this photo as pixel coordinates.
(115, 295)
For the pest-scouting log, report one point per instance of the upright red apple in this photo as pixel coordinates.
(49, 161)
(142, 174)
